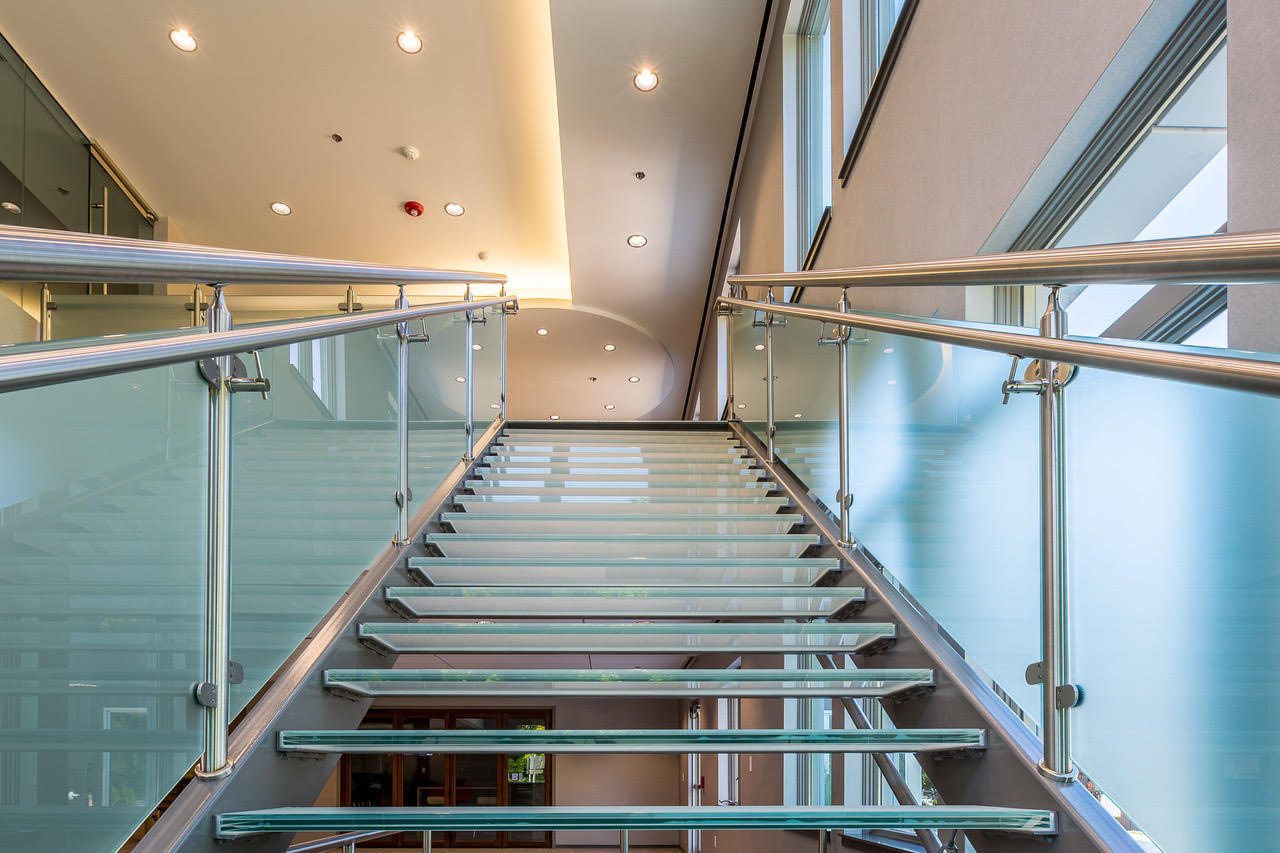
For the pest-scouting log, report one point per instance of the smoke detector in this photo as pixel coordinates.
(410, 153)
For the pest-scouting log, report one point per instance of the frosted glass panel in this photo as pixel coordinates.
(487, 369)
(102, 618)
(806, 397)
(1172, 500)
(945, 484)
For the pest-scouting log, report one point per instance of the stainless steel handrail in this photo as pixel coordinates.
(1220, 371)
(1225, 259)
(37, 254)
(50, 367)
(345, 840)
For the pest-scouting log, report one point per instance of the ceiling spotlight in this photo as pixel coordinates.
(893, 382)
(409, 41)
(646, 80)
(11, 207)
(495, 405)
(609, 406)
(633, 378)
(454, 209)
(888, 350)
(459, 379)
(477, 347)
(798, 415)
(183, 40)
(609, 348)
(280, 208)
(543, 332)
(759, 347)
(637, 241)
(555, 417)
(742, 405)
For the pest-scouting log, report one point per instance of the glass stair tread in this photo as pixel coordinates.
(625, 638)
(531, 683)
(516, 545)
(542, 502)
(616, 434)
(620, 492)
(596, 571)
(605, 741)
(655, 522)
(628, 469)
(732, 456)
(629, 602)
(443, 818)
(622, 480)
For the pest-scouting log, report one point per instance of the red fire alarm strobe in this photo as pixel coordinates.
(414, 208)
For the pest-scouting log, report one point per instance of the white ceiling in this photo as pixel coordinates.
(523, 111)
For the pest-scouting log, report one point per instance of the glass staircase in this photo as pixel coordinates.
(613, 542)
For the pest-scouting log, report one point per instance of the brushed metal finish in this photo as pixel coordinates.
(39, 254)
(1220, 371)
(1220, 259)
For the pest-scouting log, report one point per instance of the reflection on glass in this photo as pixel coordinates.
(527, 779)
(475, 781)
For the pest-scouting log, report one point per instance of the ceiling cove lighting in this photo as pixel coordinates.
(637, 241)
(454, 209)
(646, 80)
(182, 39)
(609, 348)
(280, 208)
(543, 333)
(409, 41)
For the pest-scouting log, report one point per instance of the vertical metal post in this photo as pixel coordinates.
(770, 423)
(842, 353)
(822, 841)
(470, 341)
(726, 312)
(624, 843)
(217, 646)
(402, 425)
(46, 307)
(1058, 694)
(197, 299)
(502, 356)
(426, 841)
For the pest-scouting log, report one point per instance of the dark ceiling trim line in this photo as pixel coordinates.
(748, 111)
(811, 257)
(1187, 48)
(879, 84)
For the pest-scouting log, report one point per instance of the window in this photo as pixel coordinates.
(727, 773)
(436, 779)
(811, 48)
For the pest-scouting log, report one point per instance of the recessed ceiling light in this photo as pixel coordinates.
(888, 350)
(11, 207)
(477, 347)
(495, 405)
(409, 41)
(633, 378)
(742, 405)
(637, 241)
(798, 415)
(454, 209)
(280, 208)
(555, 417)
(609, 348)
(759, 347)
(459, 379)
(893, 382)
(646, 80)
(183, 40)
(609, 406)
(543, 332)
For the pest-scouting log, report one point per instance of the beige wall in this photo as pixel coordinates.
(1253, 170)
(591, 780)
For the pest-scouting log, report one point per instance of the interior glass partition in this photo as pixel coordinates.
(102, 618)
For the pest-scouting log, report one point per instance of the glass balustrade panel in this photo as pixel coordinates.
(437, 410)
(102, 620)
